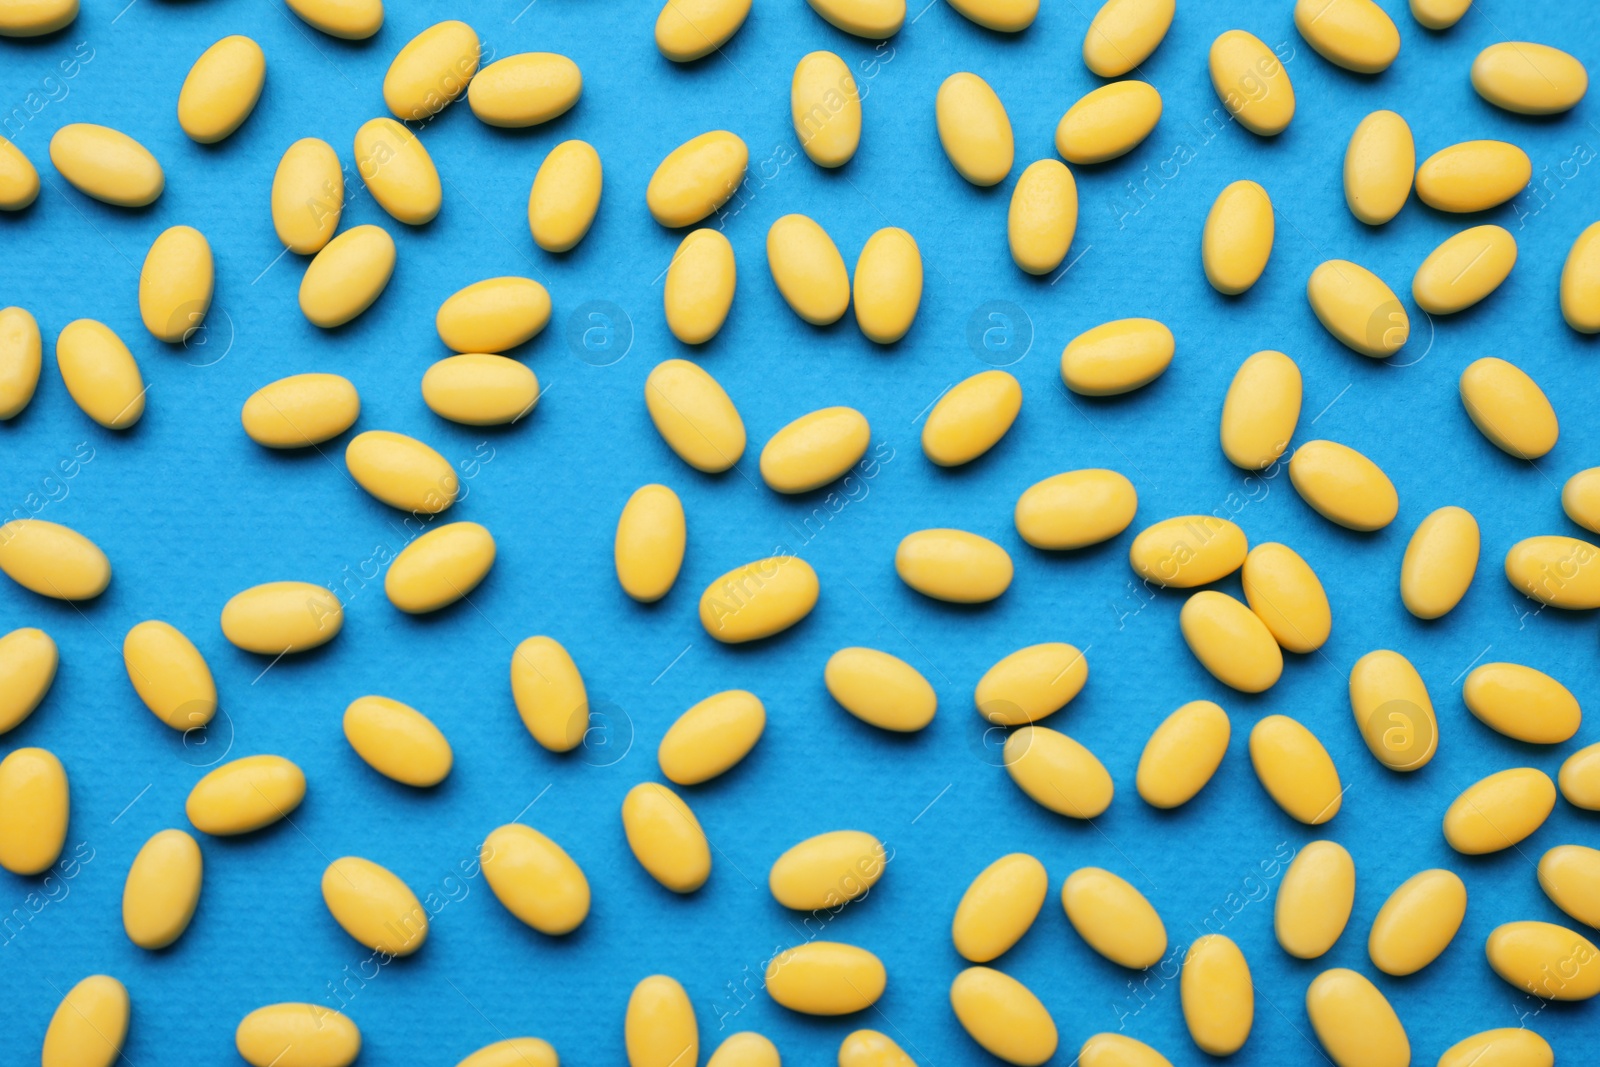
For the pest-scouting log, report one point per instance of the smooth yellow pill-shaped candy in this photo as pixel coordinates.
(1314, 900)
(222, 89)
(866, 1048)
(431, 70)
(808, 269)
(402, 472)
(659, 1028)
(888, 285)
(176, 283)
(374, 906)
(53, 560)
(28, 662)
(525, 89)
(712, 736)
(1182, 754)
(19, 181)
(1004, 16)
(1562, 572)
(745, 1049)
(999, 907)
(21, 357)
(1439, 15)
(1108, 122)
(1251, 83)
(1509, 408)
(1231, 641)
(1439, 563)
(1117, 357)
(440, 567)
(1057, 772)
(694, 416)
(974, 129)
(106, 164)
(1509, 1046)
(1378, 165)
(297, 1035)
(1075, 509)
(827, 870)
(1043, 216)
(1119, 1050)
(1003, 1016)
(876, 20)
(565, 196)
(307, 195)
(347, 276)
(397, 741)
(1546, 960)
(1031, 684)
(1355, 305)
(759, 599)
(244, 795)
(1187, 551)
(1393, 711)
(826, 978)
(1530, 79)
(953, 565)
(880, 689)
(971, 417)
(1295, 770)
(90, 1023)
(815, 449)
(1464, 269)
(665, 837)
(162, 889)
(478, 389)
(1114, 918)
(1354, 34)
(699, 288)
(1217, 995)
(514, 1052)
(398, 171)
(648, 551)
(1354, 1022)
(169, 674)
(825, 106)
(696, 178)
(1285, 593)
(1237, 240)
(549, 693)
(1417, 922)
(1473, 176)
(1123, 34)
(300, 410)
(1496, 812)
(1580, 778)
(689, 29)
(1343, 486)
(1521, 702)
(493, 315)
(34, 808)
(100, 373)
(1580, 282)
(353, 20)
(1570, 877)
(278, 617)
(36, 18)
(535, 879)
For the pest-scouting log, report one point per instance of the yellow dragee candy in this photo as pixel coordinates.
(565, 196)
(665, 837)
(1075, 509)
(1473, 176)
(1354, 34)
(535, 879)
(35, 18)
(307, 195)
(880, 689)
(1217, 994)
(245, 794)
(514, 1052)
(1295, 770)
(815, 449)
(649, 545)
(1251, 83)
(90, 1023)
(1314, 900)
(106, 164)
(1057, 772)
(826, 978)
(1119, 1050)
(525, 89)
(53, 560)
(28, 662)
(1031, 684)
(1378, 165)
(397, 741)
(19, 180)
(808, 269)
(549, 693)
(1580, 778)
(869, 1048)
(826, 108)
(696, 178)
(347, 276)
(278, 617)
(1496, 812)
(1509, 408)
(1284, 591)
(1114, 918)
(1261, 410)
(876, 20)
(176, 283)
(221, 89)
(1570, 877)
(440, 567)
(374, 906)
(21, 357)
(398, 171)
(827, 870)
(694, 416)
(759, 599)
(100, 373)
(999, 907)
(689, 29)
(1343, 486)
(300, 410)
(1182, 754)
(1003, 1016)
(1393, 711)
(1530, 79)
(1562, 572)
(1464, 269)
(1439, 15)
(1108, 122)
(353, 20)
(34, 808)
(1123, 34)
(1440, 561)
(1509, 1046)
(745, 1049)
(953, 565)
(162, 889)
(1580, 282)
(169, 674)
(297, 1035)
(478, 389)
(974, 129)
(1521, 702)
(888, 285)
(1417, 922)
(1187, 550)
(1117, 357)
(971, 418)
(659, 1028)
(1546, 960)
(711, 737)
(431, 70)
(699, 287)
(402, 472)
(1231, 641)
(1043, 216)
(1006, 16)
(1237, 240)
(1355, 305)
(1354, 1023)
(493, 315)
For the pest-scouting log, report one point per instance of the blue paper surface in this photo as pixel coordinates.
(191, 511)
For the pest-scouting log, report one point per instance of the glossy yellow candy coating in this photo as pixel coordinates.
(696, 178)
(565, 196)
(888, 285)
(1562, 572)
(402, 472)
(1464, 269)
(1117, 357)
(1497, 812)
(1354, 34)
(100, 373)
(431, 70)
(1251, 83)
(659, 1028)
(1580, 778)
(549, 694)
(1354, 1023)
(825, 106)
(535, 879)
(19, 180)
(876, 20)
(1439, 15)
(347, 276)
(1509, 1046)
(479, 389)
(974, 129)
(222, 89)
(1114, 918)
(1521, 702)
(1031, 684)
(1003, 1016)
(870, 1048)
(1119, 1050)
(699, 287)
(300, 410)
(689, 29)
(21, 357)
(1218, 995)
(493, 315)
(397, 741)
(1530, 79)
(971, 418)
(1043, 216)
(1261, 410)
(244, 795)
(827, 870)
(999, 907)
(28, 661)
(759, 599)
(374, 906)
(1392, 710)
(1295, 769)
(1237, 240)
(815, 449)
(1108, 122)
(808, 269)
(353, 20)
(176, 283)
(106, 164)
(1123, 34)
(1005, 16)
(1417, 922)
(307, 195)
(34, 808)
(1285, 593)
(1378, 166)
(1314, 899)
(1509, 408)
(826, 978)
(1473, 176)
(162, 889)
(398, 171)
(880, 689)
(90, 1023)
(1440, 561)
(297, 1035)
(1075, 509)
(953, 565)
(1546, 960)
(1182, 754)
(1355, 305)
(1570, 877)
(1187, 551)
(169, 674)
(1057, 772)
(711, 737)
(1580, 282)
(278, 617)
(1231, 641)
(53, 560)
(665, 837)
(525, 89)
(1343, 486)
(36, 18)
(649, 546)
(745, 1049)
(514, 1052)
(694, 416)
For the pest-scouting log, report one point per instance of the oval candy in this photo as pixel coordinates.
(221, 89)
(1580, 282)
(1354, 34)
(880, 689)
(815, 449)
(91, 1022)
(431, 70)
(440, 567)
(700, 284)
(953, 565)
(347, 276)
(1358, 309)
(808, 269)
(1529, 79)
(1251, 83)
(1508, 1046)
(244, 795)
(549, 693)
(1002, 16)
(971, 418)
(1580, 778)
(1057, 772)
(825, 106)
(868, 1048)
(374, 906)
(1217, 994)
(1439, 15)
(745, 1049)
(1417, 922)
(307, 196)
(694, 416)
(1562, 572)
(1237, 240)
(21, 358)
(1473, 176)
(689, 29)
(1108, 122)
(876, 20)
(1439, 563)
(35, 805)
(297, 1035)
(1182, 754)
(28, 661)
(525, 89)
(53, 560)
(1570, 877)
(826, 978)
(1031, 684)
(1117, 357)
(1114, 918)
(1521, 702)
(170, 675)
(1378, 164)
(665, 837)
(659, 1028)
(1231, 641)
(398, 171)
(565, 196)
(759, 599)
(1286, 595)
(697, 178)
(828, 870)
(974, 129)
(279, 617)
(1123, 34)
(300, 410)
(1003, 1016)
(176, 283)
(1188, 551)
(106, 164)
(888, 285)
(19, 180)
(649, 546)
(535, 879)
(1314, 899)
(1075, 509)
(1119, 1050)
(514, 1052)
(397, 741)
(1509, 408)
(1354, 1023)
(1295, 770)
(353, 20)
(493, 315)
(100, 373)
(478, 389)
(162, 889)
(1261, 410)
(1497, 812)
(1393, 711)
(1545, 959)
(999, 907)
(1343, 486)
(1464, 269)
(711, 737)
(1043, 216)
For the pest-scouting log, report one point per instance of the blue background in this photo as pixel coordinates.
(190, 512)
